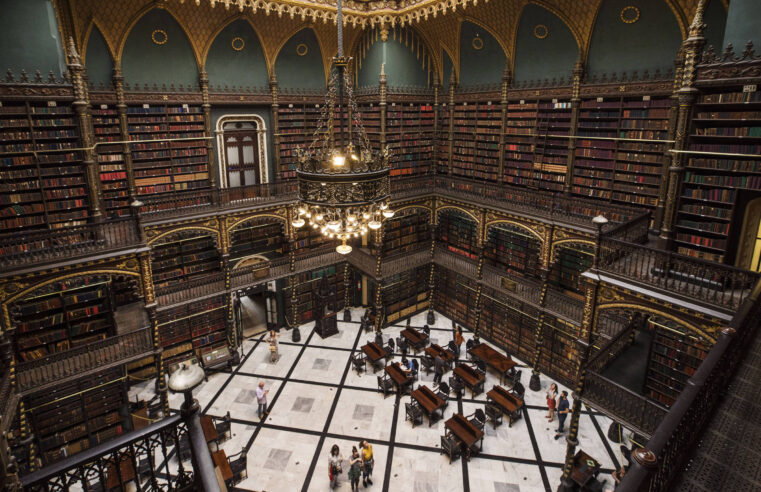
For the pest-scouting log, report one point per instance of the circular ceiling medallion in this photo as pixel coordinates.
(302, 49)
(159, 36)
(630, 14)
(477, 43)
(238, 43)
(541, 31)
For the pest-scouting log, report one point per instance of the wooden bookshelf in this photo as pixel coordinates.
(519, 143)
(725, 120)
(455, 296)
(111, 167)
(168, 166)
(674, 357)
(568, 265)
(188, 255)
(42, 185)
(191, 330)
(408, 231)
(308, 238)
(406, 293)
(71, 313)
(458, 233)
(297, 124)
(508, 323)
(512, 249)
(371, 120)
(595, 160)
(78, 415)
(442, 139)
(559, 351)
(477, 128)
(264, 237)
(307, 283)
(551, 154)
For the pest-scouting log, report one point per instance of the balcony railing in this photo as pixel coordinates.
(674, 440)
(564, 306)
(192, 289)
(34, 247)
(526, 289)
(393, 265)
(721, 286)
(36, 374)
(146, 453)
(456, 263)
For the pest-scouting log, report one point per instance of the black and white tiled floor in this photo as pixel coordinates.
(316, 400)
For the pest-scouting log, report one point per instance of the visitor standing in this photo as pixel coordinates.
(563, 411)
(355, 469)
(438, 369)
(552, 394)
(334, 466)
(261, 399)
(367, 463)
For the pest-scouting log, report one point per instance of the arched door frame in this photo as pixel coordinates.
(261, 131)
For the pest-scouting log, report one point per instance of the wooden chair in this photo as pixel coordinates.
(385, 385)
(427, 362)
(443, 393)
(478, 419)
(239, 466)
(469, 345)
(518, 390)
(390, 346)
(155, 408)
(222, 427)
(413, 413)
(456, 386)
(358, 362)
(481, 367)
(415, 371)
(403, 346)
(452, 348)
(493, 413)
(451, 446)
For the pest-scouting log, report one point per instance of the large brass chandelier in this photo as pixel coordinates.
(343, 183)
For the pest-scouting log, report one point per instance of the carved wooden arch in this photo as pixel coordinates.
(269, 63)
(567, 241)
(165, 234)
(104, 271)
(237, 223)
(86, 38)
(650, 310)
(444, 207)
(139, 15)
(241, 263)
(326, 63)
(417, 206)
(455, 65)
(495, 222)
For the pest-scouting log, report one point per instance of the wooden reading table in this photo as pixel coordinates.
(508, 402)
(375, 353)
(398, 376)
(501, 363)
(585, 468)
(429, 402)
(433, 350)
(416, 339)
(471, 378)
(465, 432)
(209, 430)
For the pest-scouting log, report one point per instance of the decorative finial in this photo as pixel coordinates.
(383, 70)
(697, 26)
(72, 53)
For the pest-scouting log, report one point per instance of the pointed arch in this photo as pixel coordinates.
(658, 312)
(177, 56)
(544, 44)
(244, 64)
(482, 55)
(97, 57)
(294, 70)
(405, 54)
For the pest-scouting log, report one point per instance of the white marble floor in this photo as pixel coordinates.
(316, 399)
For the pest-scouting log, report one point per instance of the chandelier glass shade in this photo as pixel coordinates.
(343, 184)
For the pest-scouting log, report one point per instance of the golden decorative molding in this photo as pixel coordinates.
(158, 36)
(237, 43)
(541, 31)
(302, 49)
(629, 14)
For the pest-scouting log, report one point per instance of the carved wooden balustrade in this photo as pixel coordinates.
(362, 260)
(392, 265)
(720, 286)
(524, 288)
(563, 306)
(35, 375)
(675, 439)
(34, 247)
(147, 451)
(456, 263)
(191, 289)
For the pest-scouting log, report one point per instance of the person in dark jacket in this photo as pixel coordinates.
(564, 408)
(438, 369)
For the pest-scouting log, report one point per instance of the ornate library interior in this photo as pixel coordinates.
(253, 245)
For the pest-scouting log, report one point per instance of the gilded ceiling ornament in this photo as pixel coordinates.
(302, 49)
(238, 43)
(629, 14)
(159, 36)
(541, 31)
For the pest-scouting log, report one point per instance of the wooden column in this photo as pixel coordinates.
(81, 106)
(150, 306)
(692, 47)
(584, 343)
(275, 127)
(436, 109)
(121, 110)
(506, 81)
(667, 155)
(382, 90)
(431, 317)
(214, 178)
(578, 73)
(347, 284)
(544, 272)
(480, 268)
(450, 137)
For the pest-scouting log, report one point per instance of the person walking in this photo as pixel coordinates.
(438, 369)
(367, 463)
(355, 469)
(261, 399)
(458, 339)
(552, 394)
(563, 411)
(273, 346)
(334, 466)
